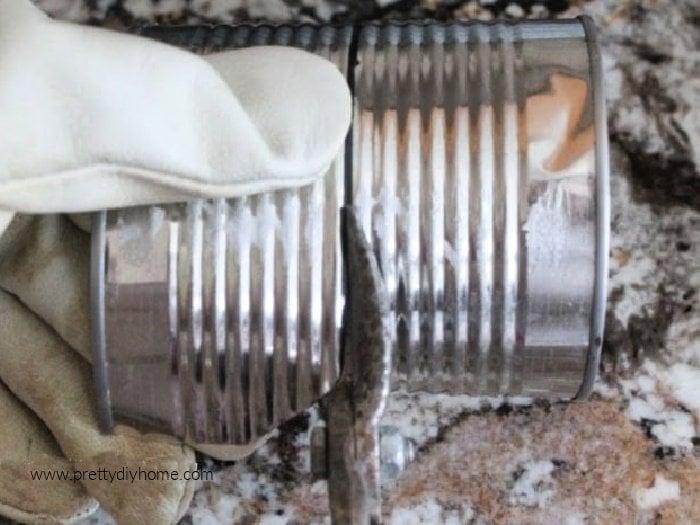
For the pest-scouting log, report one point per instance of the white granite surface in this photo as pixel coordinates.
(632, 454)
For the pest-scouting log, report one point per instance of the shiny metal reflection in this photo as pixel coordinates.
(476, 182)
(478, 166)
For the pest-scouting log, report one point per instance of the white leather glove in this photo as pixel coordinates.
(91, 119)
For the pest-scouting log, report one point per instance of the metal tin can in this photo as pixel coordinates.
(478, 164)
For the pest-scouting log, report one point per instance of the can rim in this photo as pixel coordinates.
(98, 264)
(602, 210)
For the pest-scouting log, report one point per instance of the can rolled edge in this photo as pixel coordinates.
(602, 210)
(98, 262)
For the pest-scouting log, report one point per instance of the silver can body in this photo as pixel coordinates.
(477, 162)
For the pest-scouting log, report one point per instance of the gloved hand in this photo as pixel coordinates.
(91, 119)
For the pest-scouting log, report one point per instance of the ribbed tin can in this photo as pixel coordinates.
(477, 161)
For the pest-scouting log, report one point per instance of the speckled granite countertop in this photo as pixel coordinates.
(632, 453)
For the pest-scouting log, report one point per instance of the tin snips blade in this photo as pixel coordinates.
(356, 404)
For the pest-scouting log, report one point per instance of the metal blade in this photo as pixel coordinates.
(357, 402)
